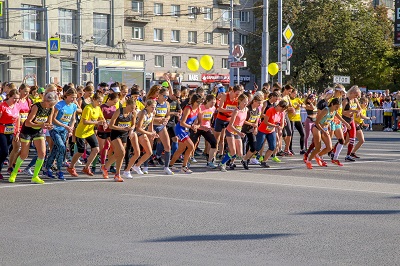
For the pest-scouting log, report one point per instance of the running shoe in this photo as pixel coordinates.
(348, 158)
(245, 164)
(232, 167)
(151, 162)
(168, 171)
(145, 170)
(320, 162)
(60, 175)
(254, 161)
(174, 168)
(264, 165)
(291, 151)
(79, 162)
(72, 171)
(37, 180)
(93, 169)
(305, 157)
(104, 171)
(28, 171)
(193, 160)
(127, 174)
(288, 153)
(118, 178)
(309, 165)
(354, 155)
(276, 159)
(160, 161)
(112, 169)
(49, 173)
(222, 167)
(137, 170)
(280, 153)
(302, 152)
(12, 177)
(211, 165)
(87, 171)
(9, 170)
(337, 162)
(186, 170)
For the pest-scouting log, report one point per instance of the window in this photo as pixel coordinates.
(30, 69)
(175, 10)
(226, 15)
(244, 16)
(66, 25)
(66, 72)
(138, 57)
(176, 61)
(191, 12)
(137, 6)
(158, 35)
(207, 13)
(208, 38)
(244, 39)
(159, 61)
(138, 33)
(224, 63)
(158, 9)
(192, 37)
(30, 24)
(224, 39)
(101, 31)
(175, 36)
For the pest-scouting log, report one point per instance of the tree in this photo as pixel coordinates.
(331, 38)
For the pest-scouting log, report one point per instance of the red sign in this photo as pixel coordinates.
(212, 78)
(238, 64)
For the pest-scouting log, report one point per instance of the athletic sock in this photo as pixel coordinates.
(38, 166)
(17, 165)
(339, 148)
(167, 158)
(94, 163)
(226, 158)
(174, 147)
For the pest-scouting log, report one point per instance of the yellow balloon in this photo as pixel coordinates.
(206, 62)
(193, 64)
(273, 69)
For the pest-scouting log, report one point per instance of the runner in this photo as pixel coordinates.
(122, 124)
(39, 118)
(359, 121)
(63, 121)
(234, 133)
(91, 116)
(295, 120)
(311, 109)
(189, 116)
(9, 118)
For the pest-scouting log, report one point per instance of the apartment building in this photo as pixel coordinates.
(23, 38)
(166, 34)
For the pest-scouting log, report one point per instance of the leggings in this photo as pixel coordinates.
(308, 127)
(5, 143)
(59, 148)
(251, 141)
(387, 121)
(299, 126)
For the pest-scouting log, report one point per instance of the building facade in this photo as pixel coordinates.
(166, 34)
(23, 38)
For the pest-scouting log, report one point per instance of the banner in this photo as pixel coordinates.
(397, 23)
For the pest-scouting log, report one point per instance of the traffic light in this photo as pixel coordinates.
(284, 59)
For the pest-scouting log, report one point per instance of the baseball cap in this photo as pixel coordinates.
(165, 84)
(115, 89)
(340, 89)
(41, 90)
(221, 89)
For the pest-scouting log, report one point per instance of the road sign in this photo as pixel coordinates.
(238, 51)
(288, 34)
(289, 50)
(54, 46)
(89, 67)
(238, 64)
(341, 79)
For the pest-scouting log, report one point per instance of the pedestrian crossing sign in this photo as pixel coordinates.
(54, 46)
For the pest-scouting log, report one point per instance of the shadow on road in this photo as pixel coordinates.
(351, 212)
(218, 237)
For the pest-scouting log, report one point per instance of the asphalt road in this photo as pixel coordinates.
(286, 215)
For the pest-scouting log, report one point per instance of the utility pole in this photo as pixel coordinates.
(265, 45)
(279, 38)
(231, 44)
(79, 38)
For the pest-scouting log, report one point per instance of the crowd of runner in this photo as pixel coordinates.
(128, 131)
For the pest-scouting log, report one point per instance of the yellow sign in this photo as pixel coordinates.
(54, 46)
(288, 34)
(1, 9)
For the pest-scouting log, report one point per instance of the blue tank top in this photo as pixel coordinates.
(190, 119)
(161, 109)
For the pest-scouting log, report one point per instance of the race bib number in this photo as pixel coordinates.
(124, 124)
(9, 129)
(66, 118)
(207, 116)
(23, 116)
(238, 128)
(270, 128)
(253, 118)
(297, 111)
(41, 119)
(108, 121)
(231, 107)
(161, 112)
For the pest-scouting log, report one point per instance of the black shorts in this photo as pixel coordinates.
(91, 140)
(103, 135)
(220, 124)
(28, 136)
(171, 131)
(117, 134)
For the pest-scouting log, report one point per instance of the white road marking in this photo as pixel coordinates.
(177, 199)
(24, 185)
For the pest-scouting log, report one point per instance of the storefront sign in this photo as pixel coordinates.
(244, 78)
(212, 78)
(193, 77)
